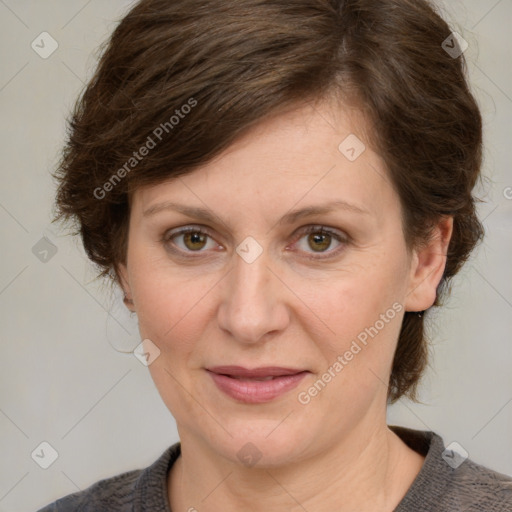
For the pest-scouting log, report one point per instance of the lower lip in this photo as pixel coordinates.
(256, 391)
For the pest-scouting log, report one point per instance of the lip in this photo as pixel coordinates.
(264, 371)
(232, 380)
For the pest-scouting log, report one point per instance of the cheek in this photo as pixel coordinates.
(170, 313)
(352, 301)
(356, 351)
(170, 307)
(361, 314)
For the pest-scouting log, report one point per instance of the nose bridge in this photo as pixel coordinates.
(252, 305)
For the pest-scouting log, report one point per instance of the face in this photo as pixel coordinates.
(319, 293)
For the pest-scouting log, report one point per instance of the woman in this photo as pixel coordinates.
(282, 190)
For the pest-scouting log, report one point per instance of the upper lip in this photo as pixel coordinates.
(266, 371)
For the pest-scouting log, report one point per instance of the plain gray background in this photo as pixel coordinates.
(67, 375)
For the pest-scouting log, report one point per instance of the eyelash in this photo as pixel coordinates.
(319, 229)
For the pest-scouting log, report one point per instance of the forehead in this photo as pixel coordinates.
(314, 153)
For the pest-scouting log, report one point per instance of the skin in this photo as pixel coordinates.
(209, 308)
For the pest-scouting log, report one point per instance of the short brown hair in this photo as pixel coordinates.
(235, 62)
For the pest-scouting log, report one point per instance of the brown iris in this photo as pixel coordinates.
(323, 240)
(196, 239)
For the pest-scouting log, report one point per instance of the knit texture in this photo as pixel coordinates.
(438, 487)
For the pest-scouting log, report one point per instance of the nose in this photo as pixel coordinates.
(254, 304)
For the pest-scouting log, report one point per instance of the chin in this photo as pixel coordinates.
(263, 446)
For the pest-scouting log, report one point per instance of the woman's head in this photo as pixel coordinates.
(181, 108)
(229, 266)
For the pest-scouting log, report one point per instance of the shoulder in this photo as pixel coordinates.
(449, 480)
(115, 492)
(125, 492)
(476, 487)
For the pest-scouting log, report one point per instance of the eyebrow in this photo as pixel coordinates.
(289, 218)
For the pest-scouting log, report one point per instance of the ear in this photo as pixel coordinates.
(122, 274)
(427, 266)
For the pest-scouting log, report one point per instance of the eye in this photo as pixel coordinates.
(320, 239)
(193, 238)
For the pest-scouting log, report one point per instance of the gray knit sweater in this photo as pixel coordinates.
(439, 486)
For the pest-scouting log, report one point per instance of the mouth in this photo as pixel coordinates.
(257, 385)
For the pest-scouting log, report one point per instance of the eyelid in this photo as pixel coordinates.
(188, 228)
(314, 228)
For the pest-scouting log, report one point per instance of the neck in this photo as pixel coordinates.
(370, 469)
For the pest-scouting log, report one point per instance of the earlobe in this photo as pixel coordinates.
(427, 268)
(122, 274)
